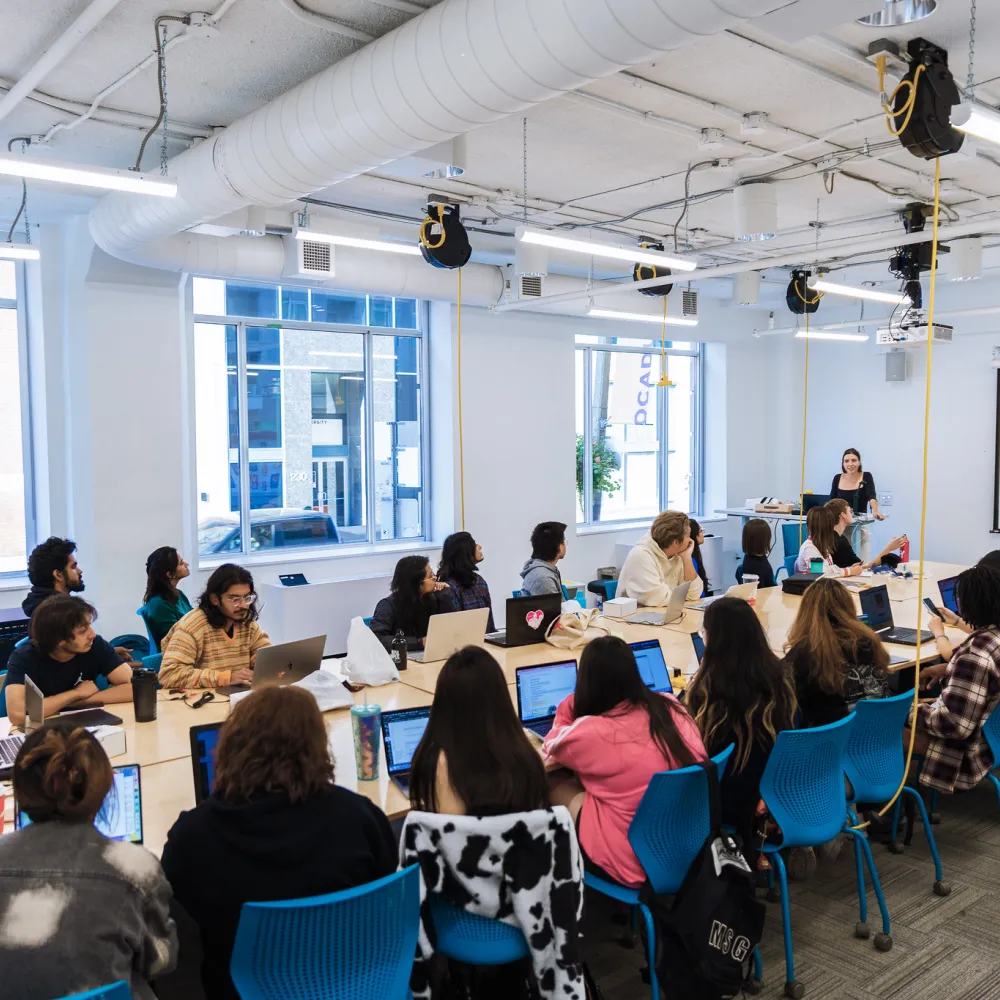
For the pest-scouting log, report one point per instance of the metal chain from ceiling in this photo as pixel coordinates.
(524, 169)
(969, 80)
(163, 90)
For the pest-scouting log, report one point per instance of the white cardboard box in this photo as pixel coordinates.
(619, 607)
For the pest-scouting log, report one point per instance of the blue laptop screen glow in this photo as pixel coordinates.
(652, 667)
(207, 741)
(402, 732)
(947, 588)
(540, 689)
(875, 604)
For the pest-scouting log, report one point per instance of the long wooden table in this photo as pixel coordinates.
(162, 747)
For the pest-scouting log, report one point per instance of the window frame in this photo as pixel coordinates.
(587, 349)
(341, 550)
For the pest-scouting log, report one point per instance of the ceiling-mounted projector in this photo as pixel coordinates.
(912, 332)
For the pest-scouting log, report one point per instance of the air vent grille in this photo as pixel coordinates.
(531, 286)
(689, 306)
(316, 257)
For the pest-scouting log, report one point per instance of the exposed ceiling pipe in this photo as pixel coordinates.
(325, 23)
(56, 52)
(462, 64)
(879, 321)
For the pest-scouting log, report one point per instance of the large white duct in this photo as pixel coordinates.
(462, 64)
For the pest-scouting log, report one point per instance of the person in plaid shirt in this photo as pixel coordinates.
(950, 729)
(460, 555)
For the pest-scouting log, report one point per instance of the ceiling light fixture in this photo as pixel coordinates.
(965, 262)
(820, 335)
(105, 178)
(897, 12)
(629, 317)
(633, 255)
(976, 119)
(336, 239)
(19, 251)
(857, 292)
(756, 212)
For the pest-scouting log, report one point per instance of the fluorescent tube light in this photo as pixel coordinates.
(975, 119)
(855, 292)
(641, 317)
(822, 335)
(106, 178)
(19, 251)
(634, 255)
(355, 241)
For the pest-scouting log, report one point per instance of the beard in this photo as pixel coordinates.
(75, 588)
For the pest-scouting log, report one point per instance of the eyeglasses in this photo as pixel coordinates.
(241, 601)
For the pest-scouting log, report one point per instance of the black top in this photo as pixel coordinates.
(35, 597)
(758, 565)
(53, 677)
(858, 498)
(218, 857)
(385, 622)
(740, 790)
(844, 555)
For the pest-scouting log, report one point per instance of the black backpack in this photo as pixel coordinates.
(706, 932)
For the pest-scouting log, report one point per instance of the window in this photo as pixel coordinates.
(309, 426)
(637, 443)
(16, 520)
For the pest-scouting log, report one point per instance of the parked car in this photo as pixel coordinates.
(270, 528)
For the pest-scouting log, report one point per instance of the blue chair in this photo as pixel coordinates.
(793, 534)
(152, 662)
(667, 832)
(22, 642)
(803, 788)
(154, 646)
(473, 939)
(788, 567)
(875, 765)
(991, 730)
(368, 621)
(355, 943)
(604, 589)
(116, 991)
(516, 593)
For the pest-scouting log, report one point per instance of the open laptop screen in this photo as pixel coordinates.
(652, 666)
(541, 688)
(875, 604)
(203, 743)
(402, 732)
(947, 588)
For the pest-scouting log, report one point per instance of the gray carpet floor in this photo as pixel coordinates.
(944, 948)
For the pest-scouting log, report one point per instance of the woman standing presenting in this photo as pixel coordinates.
(855, 485)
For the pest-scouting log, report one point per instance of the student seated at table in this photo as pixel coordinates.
(467, 590)
(844, 555)
(52, 569)
(414, 595)
(540, 574)
(697, 560)
(742, 694)
(757, 545)
(275, 827)
(64, 659)
(950, 729)
(821, 544)
(215, 644)
(835, 659)
(615, 734)
(76, 909)
(163, 604)
(660, 561)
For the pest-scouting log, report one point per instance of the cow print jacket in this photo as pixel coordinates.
(522, 868)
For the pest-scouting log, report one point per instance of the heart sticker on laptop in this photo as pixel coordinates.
(534, 619)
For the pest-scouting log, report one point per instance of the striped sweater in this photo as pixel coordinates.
(196, 655)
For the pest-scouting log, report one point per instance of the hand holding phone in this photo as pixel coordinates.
(929, 605)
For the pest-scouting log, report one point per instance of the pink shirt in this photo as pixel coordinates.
(614, 757)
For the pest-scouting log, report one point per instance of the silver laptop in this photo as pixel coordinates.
(284, 663)
(674, 610)
(450, 632)
(34, 718)
(742, 590)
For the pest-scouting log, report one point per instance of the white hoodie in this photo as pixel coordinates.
(649, 576)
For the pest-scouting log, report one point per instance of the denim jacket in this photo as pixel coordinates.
(78, 911)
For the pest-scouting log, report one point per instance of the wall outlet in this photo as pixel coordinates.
(885, 499)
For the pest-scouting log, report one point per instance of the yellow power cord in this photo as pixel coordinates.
(906, 111)
(429, 221)
(805, 412)
(664, 381)
(461, 438)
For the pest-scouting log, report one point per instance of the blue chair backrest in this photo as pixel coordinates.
(355, 943)
(803, 783)
(475, 940)
(368, 620)
(790, 564)
(874, 760)
(991, 730)
(517, 593)
(610, 589)
(672, 823)
(116, 991)
(22, 642)
(154, 646)
(152, 662)
(792, 536)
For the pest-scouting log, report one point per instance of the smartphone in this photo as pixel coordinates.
(929, 605)
(699, 646)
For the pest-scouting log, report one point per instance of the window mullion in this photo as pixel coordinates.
(369, 456)
(243, 411)
(588, 437)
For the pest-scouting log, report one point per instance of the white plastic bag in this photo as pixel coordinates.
(367, 661)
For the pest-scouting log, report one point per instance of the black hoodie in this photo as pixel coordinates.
(35, 597)
(219, 856)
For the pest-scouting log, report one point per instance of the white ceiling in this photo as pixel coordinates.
(608, 162)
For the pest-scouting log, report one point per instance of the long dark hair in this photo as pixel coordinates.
(160, 564)
(742, 692)
(458, 559)
(609, 676)
(696, 555)
(413, 609)
(225, 576)
(491, 764)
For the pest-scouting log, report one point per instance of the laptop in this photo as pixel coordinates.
(699, 646)
(947, 588)
(652, 666)
(875, 604)
(674, 611)
(528, 619)
(293, 579)
(449, 632)
(402, 732)
(284, 663)
(744, 591)
(810, 500)
(34, 718)
(203, 743)
(120, 817)
(539, 691)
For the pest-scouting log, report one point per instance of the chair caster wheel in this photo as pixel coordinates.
(883, 942)
(861, 930)
(934, 817)
(942, 888)
(751, 987)
(896, 847)
(795, 990)
(774, 895)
